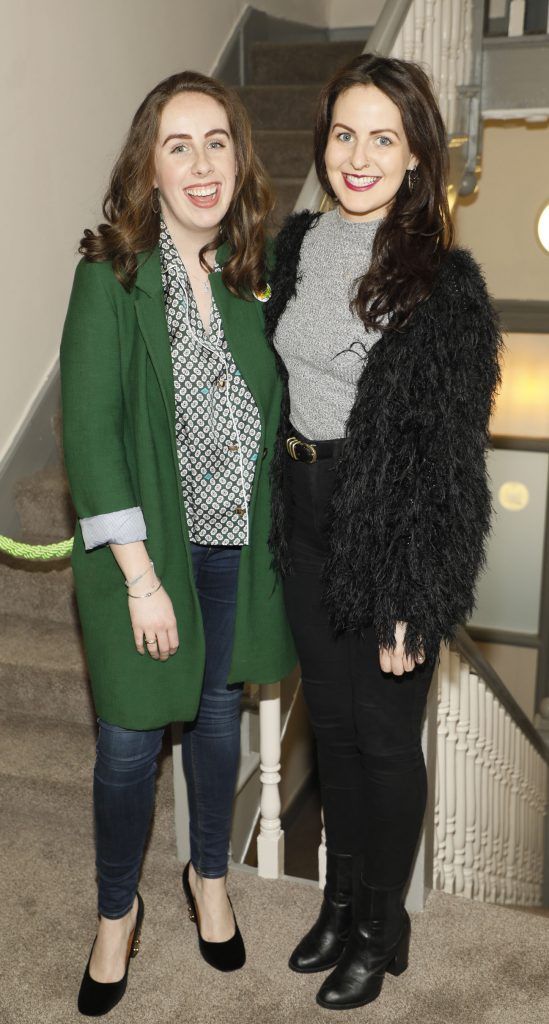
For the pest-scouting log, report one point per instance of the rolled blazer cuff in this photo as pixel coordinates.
(122, 527)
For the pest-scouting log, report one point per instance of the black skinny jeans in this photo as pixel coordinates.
(367, 723)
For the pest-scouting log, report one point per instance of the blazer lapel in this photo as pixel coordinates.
(151, 316)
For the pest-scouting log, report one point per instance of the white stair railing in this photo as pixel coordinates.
(491, 787)
(445, 37)
(438, 34)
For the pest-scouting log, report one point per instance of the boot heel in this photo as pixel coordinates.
(399, 963)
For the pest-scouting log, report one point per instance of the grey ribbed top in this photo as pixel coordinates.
(320, 341)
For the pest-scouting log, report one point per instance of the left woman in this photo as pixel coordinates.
(170, 405)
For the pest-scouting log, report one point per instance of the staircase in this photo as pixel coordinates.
(280, 99)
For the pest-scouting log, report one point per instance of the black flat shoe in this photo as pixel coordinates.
(95, 997)
(224, 956)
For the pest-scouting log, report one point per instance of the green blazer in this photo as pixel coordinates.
(120, 451)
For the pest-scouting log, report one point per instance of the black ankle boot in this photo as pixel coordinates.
(323, 945)
(379, 941)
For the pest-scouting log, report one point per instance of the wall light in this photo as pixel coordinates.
(543, 227)
(513, 496)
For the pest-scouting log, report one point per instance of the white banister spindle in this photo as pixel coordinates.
(451, 743)
(506, 802)
(480, 852)
(442, 733)
(522, 849)
(408, 35)
(494, 801)
(461, 777)
(511, 873)
(454, 40)
(445, 48)
(419, 28)
(270, 842)
(531, 825)
(489, 774)
(468, 17)
(471, 807)
(436, 827)
(498, 785)
(437, 46)
(427, 54)
(461, 45)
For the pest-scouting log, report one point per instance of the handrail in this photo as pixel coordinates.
(467, 647)
(381, 40)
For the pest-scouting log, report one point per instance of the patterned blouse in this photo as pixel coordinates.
(217, 423)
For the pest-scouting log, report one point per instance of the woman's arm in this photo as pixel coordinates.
(95, 457)
(94, 452)
(440, 507)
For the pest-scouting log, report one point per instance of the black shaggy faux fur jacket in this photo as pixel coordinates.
(411, 506)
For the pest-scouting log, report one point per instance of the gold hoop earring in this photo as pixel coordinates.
(155, 201)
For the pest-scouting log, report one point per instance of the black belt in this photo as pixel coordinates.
(311, 451)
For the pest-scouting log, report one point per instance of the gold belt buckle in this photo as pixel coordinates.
(292, 446)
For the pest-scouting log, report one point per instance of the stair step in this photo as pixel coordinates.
(282, 107)
(299, 63)
(43, 755)
(38, 589)
(57, 819)
(42, 669)
(33, 747)
(285, 152)
(44, 505)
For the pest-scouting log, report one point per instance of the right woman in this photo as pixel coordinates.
(389, 348)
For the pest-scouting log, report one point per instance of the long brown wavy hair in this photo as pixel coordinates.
(133, 219)
(417, 229)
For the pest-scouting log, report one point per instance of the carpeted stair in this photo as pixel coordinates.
(281, 98)
(470, 963)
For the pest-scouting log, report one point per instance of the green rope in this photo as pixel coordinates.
(36, 551)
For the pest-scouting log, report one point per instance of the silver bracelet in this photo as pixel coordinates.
(131, 583)
(149, 592)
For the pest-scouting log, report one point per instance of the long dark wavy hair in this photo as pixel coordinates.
(417, 229)
(133, 219)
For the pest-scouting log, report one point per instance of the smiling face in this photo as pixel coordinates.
(367, 153)
(195, 167)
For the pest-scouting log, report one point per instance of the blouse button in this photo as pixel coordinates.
(240, 511)
(232, 447)
(221, 383)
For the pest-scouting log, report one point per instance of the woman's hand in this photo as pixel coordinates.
(152, 618)
(395, 660)
(154, 626)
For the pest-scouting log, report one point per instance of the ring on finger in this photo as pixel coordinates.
(151, 642)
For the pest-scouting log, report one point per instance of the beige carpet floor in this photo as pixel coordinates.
(470, 963)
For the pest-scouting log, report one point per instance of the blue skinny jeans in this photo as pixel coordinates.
(125, 767)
